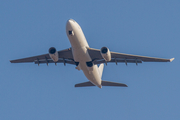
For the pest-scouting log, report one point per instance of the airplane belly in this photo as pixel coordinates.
(93, 75)
(81, 55)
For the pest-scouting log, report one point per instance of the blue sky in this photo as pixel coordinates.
(149, 28)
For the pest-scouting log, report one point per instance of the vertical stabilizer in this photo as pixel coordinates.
(101, 67)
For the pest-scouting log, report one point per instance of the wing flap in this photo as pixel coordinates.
(117, 60)
(59, 61)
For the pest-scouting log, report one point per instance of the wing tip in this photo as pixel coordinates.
(171, 59)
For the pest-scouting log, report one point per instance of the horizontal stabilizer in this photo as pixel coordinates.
(107, 83)
(104, 83)
(85, 84)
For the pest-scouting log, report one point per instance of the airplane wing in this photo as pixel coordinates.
(65, 56)
(121, 57)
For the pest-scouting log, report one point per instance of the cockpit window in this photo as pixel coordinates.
(71, 32)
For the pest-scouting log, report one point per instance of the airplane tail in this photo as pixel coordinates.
(104, 83)
(101, 67)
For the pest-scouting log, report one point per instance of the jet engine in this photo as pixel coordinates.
(106, 54)
(53, 54)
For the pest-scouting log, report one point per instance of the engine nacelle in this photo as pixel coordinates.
(53, 54)
(106, 54)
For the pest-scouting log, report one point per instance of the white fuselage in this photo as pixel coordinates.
(80, 53)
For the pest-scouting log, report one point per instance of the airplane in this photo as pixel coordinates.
(86, 58)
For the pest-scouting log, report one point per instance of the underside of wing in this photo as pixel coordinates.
(65, 56)
(121, 57)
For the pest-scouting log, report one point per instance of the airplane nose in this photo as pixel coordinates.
(70, 21)
(69, 24)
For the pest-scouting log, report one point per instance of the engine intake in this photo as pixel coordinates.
(53, 54)
(106, 54)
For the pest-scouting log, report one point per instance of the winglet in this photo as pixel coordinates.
(172, 59)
